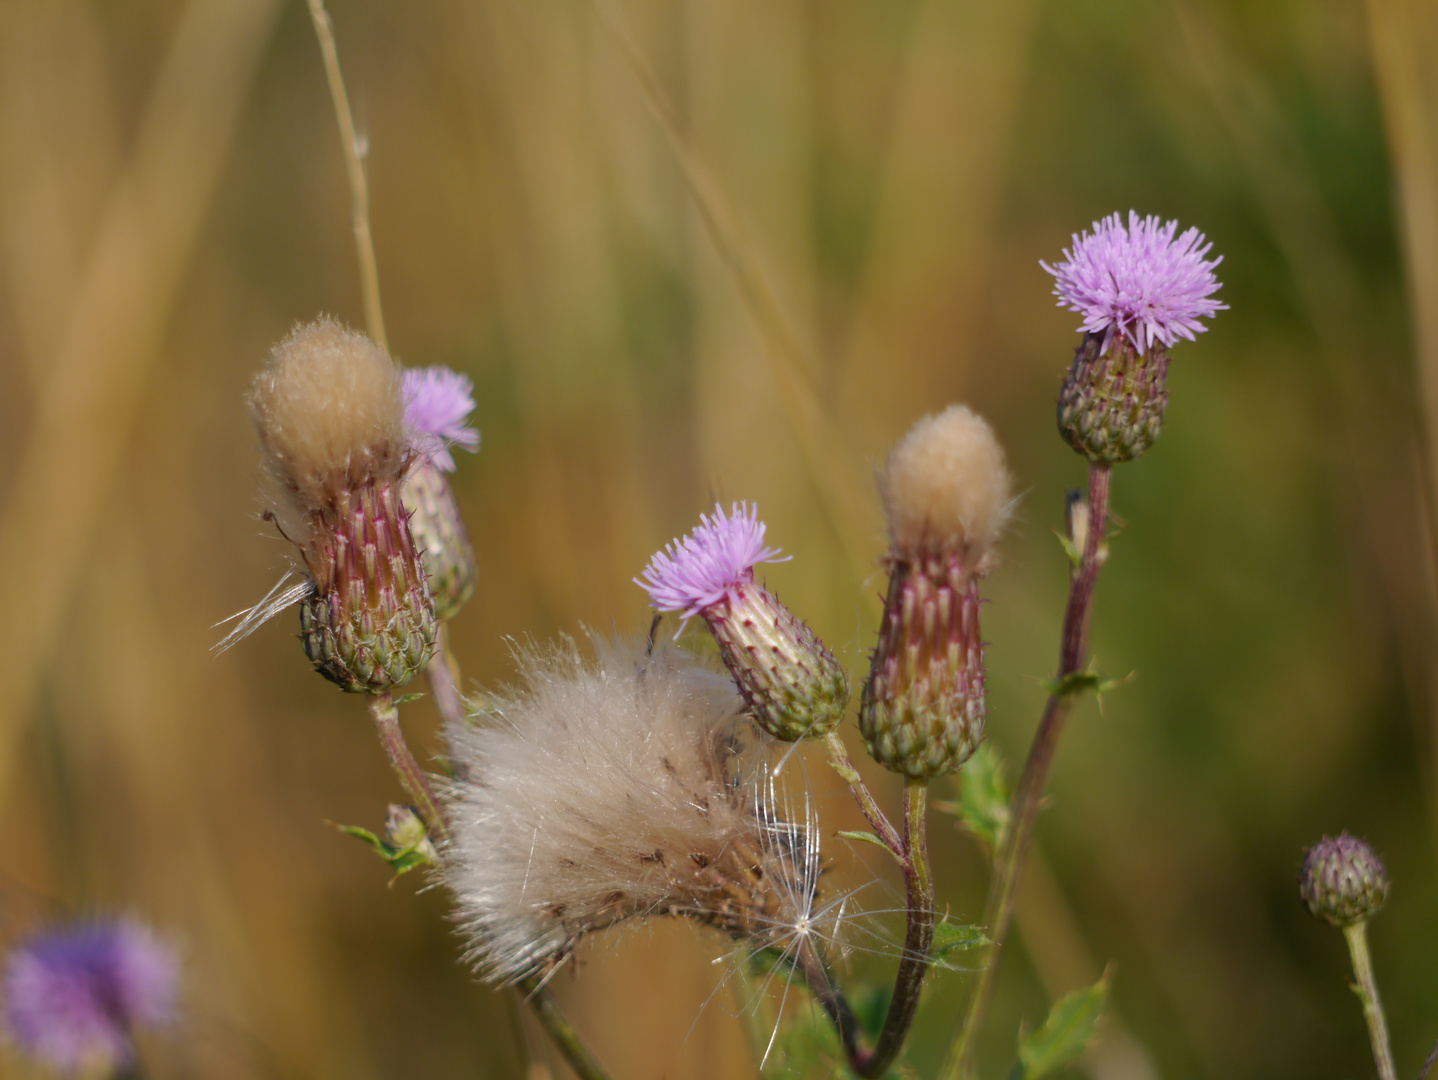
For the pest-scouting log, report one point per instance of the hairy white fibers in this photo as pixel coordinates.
(329, 410)
(606, 789)
(946, 486)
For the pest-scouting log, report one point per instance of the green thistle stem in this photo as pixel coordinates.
(557, 1026)
(920, 937)
(841, 763)
(1367, 990)
(411, 777)
(1008, 862)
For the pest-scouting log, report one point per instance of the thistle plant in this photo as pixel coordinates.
(1139, 288)
(73, 997)
(437, 402)
(1344, 883)
(642, 782)
(794, 687)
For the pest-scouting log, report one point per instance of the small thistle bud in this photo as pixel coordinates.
(330, 415)
(1139, 290)
(947, 495)
(1343, 881)
(73, 997)
(794, 687)
(436, 403)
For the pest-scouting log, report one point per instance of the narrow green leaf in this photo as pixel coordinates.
(1070, 1027)
(867, 837)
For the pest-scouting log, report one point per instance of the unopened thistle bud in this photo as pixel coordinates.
(794, 687)
(947, 495)
(1343, 881)
(330, 415)
(1139, 289)
(436, 403)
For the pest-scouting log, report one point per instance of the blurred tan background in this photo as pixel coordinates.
(885, 178)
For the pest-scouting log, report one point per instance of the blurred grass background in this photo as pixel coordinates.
(172, 200)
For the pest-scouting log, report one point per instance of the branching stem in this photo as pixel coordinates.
(839, 760)
(917, 941)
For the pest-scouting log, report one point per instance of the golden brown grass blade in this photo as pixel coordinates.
(354, 169)
(831, 465)
(114, 330)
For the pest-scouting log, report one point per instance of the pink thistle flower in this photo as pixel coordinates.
(792, 684)
(437, 402)
(709, 564)
(1138, 281)
(73, 996)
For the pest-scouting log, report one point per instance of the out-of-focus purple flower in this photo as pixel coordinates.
(72, 997)
(1138, 281)
(698, 571)
(437, 401)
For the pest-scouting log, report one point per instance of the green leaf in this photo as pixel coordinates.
(1067, 1032)
(953, 937)
(867, 837)
(983, 803)
(402, 858)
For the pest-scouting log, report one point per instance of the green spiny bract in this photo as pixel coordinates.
(1111, 406)
(442, 540)
(370, 624)
(922, 710)
(794, 687)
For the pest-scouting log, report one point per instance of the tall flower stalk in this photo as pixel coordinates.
(1139, 288)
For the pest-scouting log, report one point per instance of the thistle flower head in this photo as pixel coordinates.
(72, 997)
(608, 790)
(792, 685)
(329, 411)
(948, 496)
(1139, 281)
(1343, 880)
(946, 487)
(437, 401)
(698, 571)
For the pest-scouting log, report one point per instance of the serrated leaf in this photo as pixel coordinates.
(953, 937)
(1066, 1034)
(983, 803)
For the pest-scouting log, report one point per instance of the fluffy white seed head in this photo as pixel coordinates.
(605, 790)
(946, 487)
(329, 410)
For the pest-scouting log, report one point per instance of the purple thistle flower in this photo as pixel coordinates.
(1139, 281)
(698, 571)
(72, 997)
(436, 403)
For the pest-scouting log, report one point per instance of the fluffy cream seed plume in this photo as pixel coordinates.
(611, 789)
(946, 487)
(329, 410)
